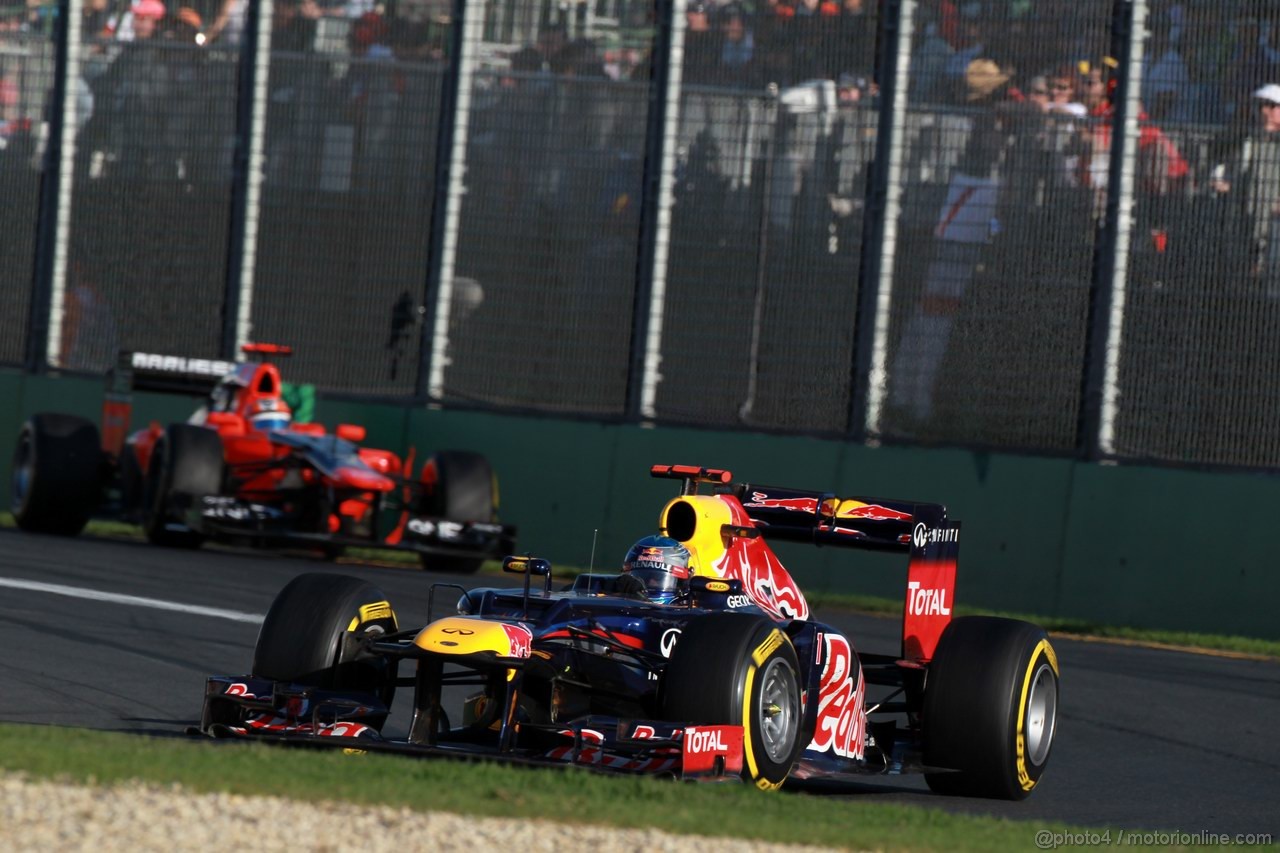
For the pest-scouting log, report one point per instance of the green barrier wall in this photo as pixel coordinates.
(1156, 548)
(1151, 548)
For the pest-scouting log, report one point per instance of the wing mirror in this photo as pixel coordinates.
(527, 566)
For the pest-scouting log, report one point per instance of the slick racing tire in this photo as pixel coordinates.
(56, 474)
(990, 708)
(186, 465)
(740, 670)
(310, 636)
(460, 486)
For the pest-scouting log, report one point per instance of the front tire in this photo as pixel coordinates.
(990, 708)
(460, 486)
(186, 466)
(305, 636)
(56, 474)
(739, 670)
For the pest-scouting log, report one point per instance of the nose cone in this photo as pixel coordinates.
(461, 635)
(363, 479)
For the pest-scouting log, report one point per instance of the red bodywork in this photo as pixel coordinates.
(245, 408)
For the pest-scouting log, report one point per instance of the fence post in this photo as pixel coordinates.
(1100, 394)
(57, 173)
(880, 228)
(446, 210)
(246, 178)
(663, 124)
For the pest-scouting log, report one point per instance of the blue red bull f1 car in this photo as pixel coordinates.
(731, 677)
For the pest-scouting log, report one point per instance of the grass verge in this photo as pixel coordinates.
(1183, 640)
(570, 795)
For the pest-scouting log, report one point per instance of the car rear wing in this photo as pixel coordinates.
(820, 518)
(166, 374)
(158, 373)
(922, 530)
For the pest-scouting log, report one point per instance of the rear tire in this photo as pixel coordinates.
(990, 708)
(460, 487)
(302, 638)
(186, 465)
(56, 474)
(714, 679)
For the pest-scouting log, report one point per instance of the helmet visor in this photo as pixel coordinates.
(269, 421)
(656, 581)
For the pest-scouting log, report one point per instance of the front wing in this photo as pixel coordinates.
(260, 709)
(224, 516)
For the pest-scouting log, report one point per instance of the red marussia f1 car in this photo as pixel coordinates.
(241, 469)
(732, 677)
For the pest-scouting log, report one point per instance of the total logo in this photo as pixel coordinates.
(700, 741)
(923, 535)
(926, 602)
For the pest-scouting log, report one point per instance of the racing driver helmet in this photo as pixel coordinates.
(269, 413)
(661, 564)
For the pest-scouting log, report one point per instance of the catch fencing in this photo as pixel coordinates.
(1042, 227)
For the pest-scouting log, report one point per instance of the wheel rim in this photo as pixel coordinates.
(23, 462)
(778, 710)
(1042, 714)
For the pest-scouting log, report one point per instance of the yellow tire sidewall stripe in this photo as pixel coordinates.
(761, 653)
(1024, 778)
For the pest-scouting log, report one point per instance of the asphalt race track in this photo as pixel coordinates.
(1147, 738)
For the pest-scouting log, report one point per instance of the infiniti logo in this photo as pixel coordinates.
(668, 641)
(922, 535)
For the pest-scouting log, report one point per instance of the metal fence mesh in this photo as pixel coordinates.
(347, 202)
(26, 74)
(996, 242)
(152, 195)
(553, 225)
(776, 130)
(1202, 314)
(548, 235)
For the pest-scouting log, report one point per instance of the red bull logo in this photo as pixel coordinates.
(763, 501)
(841, 509)
(874, 512)
(520, 638)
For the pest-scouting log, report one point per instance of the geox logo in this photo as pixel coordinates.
(926, 602)
(923, 536)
